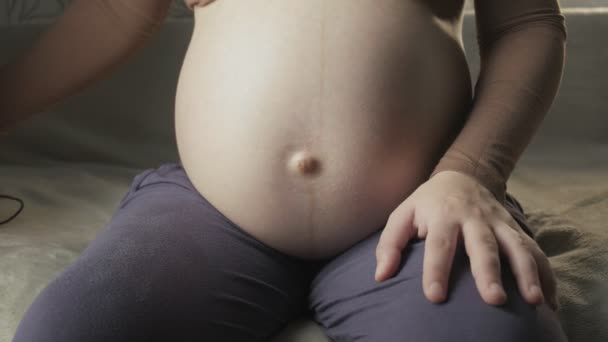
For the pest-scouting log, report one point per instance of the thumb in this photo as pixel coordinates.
(394, 238)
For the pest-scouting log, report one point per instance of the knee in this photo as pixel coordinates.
(110, 294)
(468, 325)
(78, 305)
(476, 321)
(498, 324)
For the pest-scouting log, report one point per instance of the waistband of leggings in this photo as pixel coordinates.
(516, 210)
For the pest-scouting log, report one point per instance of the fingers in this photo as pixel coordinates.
(394, 238)
(483, 242)
(522, 262)
(440, 246)
(547, 277)
(482, 249)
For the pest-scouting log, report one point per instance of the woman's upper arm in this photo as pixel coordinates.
(522, 50)
(86, 43)
(495, 18)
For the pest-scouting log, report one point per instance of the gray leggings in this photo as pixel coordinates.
(170, 267)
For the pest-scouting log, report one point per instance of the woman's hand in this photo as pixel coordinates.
(452, 205)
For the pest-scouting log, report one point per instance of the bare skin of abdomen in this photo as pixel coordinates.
(306, 123)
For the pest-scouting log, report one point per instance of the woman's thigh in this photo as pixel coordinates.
(351, 306)
(168, 267)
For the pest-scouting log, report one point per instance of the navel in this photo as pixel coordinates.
(304, 163)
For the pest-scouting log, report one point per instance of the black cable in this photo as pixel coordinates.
(21, 205)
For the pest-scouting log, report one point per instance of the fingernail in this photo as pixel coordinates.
(378, 269)
(535, 290)
(435, 290)
(494, 287)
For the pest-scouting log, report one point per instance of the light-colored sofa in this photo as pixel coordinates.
(73, 164)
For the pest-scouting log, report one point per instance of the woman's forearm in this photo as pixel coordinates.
(522, 50)
(86, 43)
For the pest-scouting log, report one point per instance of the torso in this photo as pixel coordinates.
(307, 123)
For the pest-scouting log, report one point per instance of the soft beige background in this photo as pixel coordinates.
(72, 165)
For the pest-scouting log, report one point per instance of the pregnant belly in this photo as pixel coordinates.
(306, 123)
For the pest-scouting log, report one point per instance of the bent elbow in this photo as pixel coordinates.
(137, 17)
